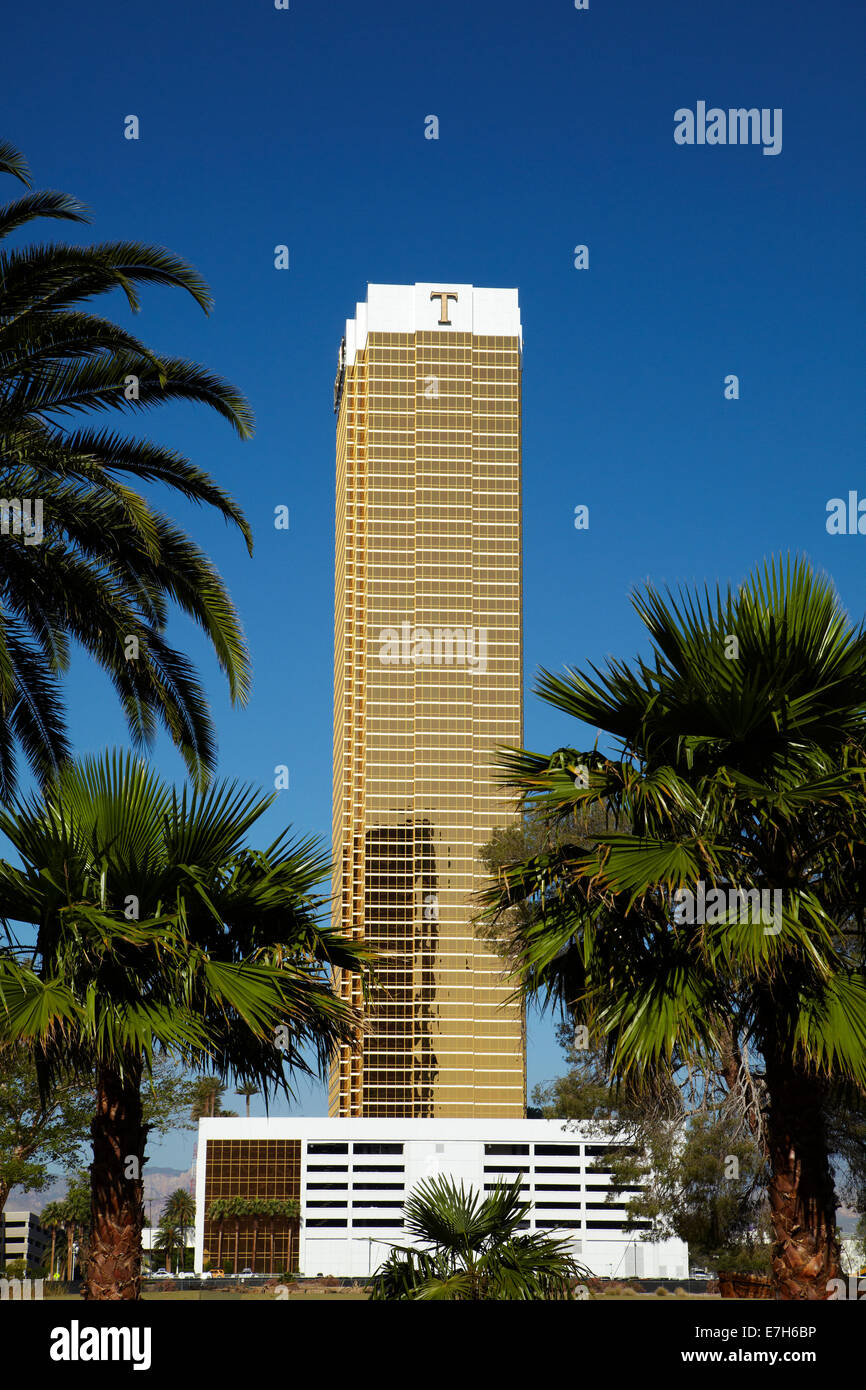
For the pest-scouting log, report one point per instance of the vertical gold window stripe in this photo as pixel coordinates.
(428, 530)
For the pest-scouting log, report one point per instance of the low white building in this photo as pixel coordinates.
(351, 1178)
(22, 1238)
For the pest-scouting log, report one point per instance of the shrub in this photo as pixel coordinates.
(748, 1259)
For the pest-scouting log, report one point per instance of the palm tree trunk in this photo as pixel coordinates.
(219, 1263)
(235, 1271)
(118, 1130)
(806, 1253)
(53, 1247)
(273, 1249)
(255, 1243)
(70, 1256)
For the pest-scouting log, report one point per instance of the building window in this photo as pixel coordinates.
(378, 1168)
(618, 1226)
(255, 1168)
(378, 1148)
(379, 1204)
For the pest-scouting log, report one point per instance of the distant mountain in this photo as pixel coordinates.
(159, 1183)
(846, 1220)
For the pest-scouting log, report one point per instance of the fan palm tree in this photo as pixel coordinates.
(470, 1249)
(155, 929)
(237, 1211)
(217, 1212)
(247, 1091)
(207, 1103)
(104, 565)
(74, 1215)
(287, 1212)
(69, 1232)
(739, 769)
(51, 1217)
(257, 1208)
(168, 1238)
(180, 1208)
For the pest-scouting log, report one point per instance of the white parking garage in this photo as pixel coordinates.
(351, 1178)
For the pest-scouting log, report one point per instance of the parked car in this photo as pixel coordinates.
(246, 1274)
(700, 1274)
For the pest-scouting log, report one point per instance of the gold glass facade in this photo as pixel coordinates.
(428, 682)
(254, 1168)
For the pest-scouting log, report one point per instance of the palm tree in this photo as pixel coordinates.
(286, 1211)
(470, 1250)
(237, 1210)
(51, 1217)
(273, 1213)
(740, 769)
(244, 1209)
(156, 930)
(271, 1210)
(257, 1207)
(247, 1091)
(169, 1237)
(74, 1215)
(69, 1232)
(209, 1091)
(180, 1208)
(218, 1212)
(107, 564)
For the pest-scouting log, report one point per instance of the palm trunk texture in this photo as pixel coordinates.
(114, 1267)
(806, 1252)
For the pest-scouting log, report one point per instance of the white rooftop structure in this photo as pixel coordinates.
(430, 307)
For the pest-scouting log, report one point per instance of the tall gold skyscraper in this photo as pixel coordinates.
(427, 683)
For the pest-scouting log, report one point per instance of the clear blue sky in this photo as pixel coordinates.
(306, 127)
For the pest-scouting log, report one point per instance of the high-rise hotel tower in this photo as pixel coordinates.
(427, 684)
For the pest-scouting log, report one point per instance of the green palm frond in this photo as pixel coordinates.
(467, 1248)
(741, 764)
(47, 204)
(110, 567)
(13, 162)
(134, 892)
